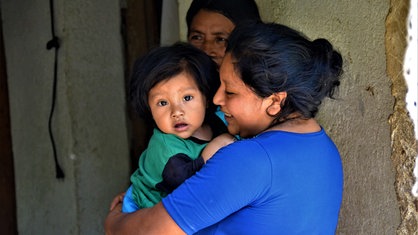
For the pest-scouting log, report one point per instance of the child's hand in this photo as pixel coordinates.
(215, 144)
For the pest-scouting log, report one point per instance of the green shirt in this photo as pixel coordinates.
(152, 162)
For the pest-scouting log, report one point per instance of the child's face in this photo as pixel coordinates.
(245, 112)
(209, 31)
(177, 105)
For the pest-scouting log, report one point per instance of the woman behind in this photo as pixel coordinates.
(286, 176)
(210, 22)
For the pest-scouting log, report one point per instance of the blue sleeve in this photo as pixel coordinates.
(228, 182)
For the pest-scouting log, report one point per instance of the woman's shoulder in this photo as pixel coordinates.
(244, 150)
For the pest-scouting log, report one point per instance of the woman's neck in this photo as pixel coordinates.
(298, 125)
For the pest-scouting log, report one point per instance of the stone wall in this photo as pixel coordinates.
(404, 147)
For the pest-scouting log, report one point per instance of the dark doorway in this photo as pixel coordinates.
(8, 221)
(141, 29)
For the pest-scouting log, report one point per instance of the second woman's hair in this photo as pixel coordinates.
(166, 62)
(237, 11)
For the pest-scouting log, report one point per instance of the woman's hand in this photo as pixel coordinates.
(115, 215)
(214, 145)
(117, 200)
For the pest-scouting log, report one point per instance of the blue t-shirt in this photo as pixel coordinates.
(276, 183)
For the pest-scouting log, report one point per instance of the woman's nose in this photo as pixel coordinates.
(218, 99)
(209, 47)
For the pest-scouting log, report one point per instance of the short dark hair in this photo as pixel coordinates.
(237, 11)
(165, 62)
(271, 58)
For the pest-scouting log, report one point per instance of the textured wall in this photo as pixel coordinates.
(89, 122)
(403, 138)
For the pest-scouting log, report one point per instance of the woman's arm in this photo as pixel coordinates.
(154, 220)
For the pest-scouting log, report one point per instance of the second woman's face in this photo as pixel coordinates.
(209, 31)
(245, 112)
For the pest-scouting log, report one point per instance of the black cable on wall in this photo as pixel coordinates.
(54, 44)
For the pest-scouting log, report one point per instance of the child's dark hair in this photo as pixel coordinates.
(271, 58)
(237, 11)
(166, 62)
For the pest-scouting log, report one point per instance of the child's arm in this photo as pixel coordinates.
(180, 166)
(214, 145)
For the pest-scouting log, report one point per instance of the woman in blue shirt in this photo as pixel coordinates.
(286, 176)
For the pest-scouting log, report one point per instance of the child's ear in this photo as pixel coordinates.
(276, 100)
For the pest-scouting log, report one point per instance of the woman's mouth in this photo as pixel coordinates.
(227, 115)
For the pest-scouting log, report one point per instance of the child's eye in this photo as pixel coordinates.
(188, 97)
(162, 103)
(229, 93)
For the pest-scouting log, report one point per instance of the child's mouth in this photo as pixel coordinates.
(180, 126)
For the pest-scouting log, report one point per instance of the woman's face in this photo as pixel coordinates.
(209, 31)
(244, 111)
(177, 105)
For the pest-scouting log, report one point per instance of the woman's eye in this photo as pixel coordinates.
(195, 38)
(162, 103)
(221, 40)
(188, 97)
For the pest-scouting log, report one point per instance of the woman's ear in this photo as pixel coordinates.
(276, 100)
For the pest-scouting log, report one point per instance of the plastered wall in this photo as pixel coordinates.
(89, 121)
